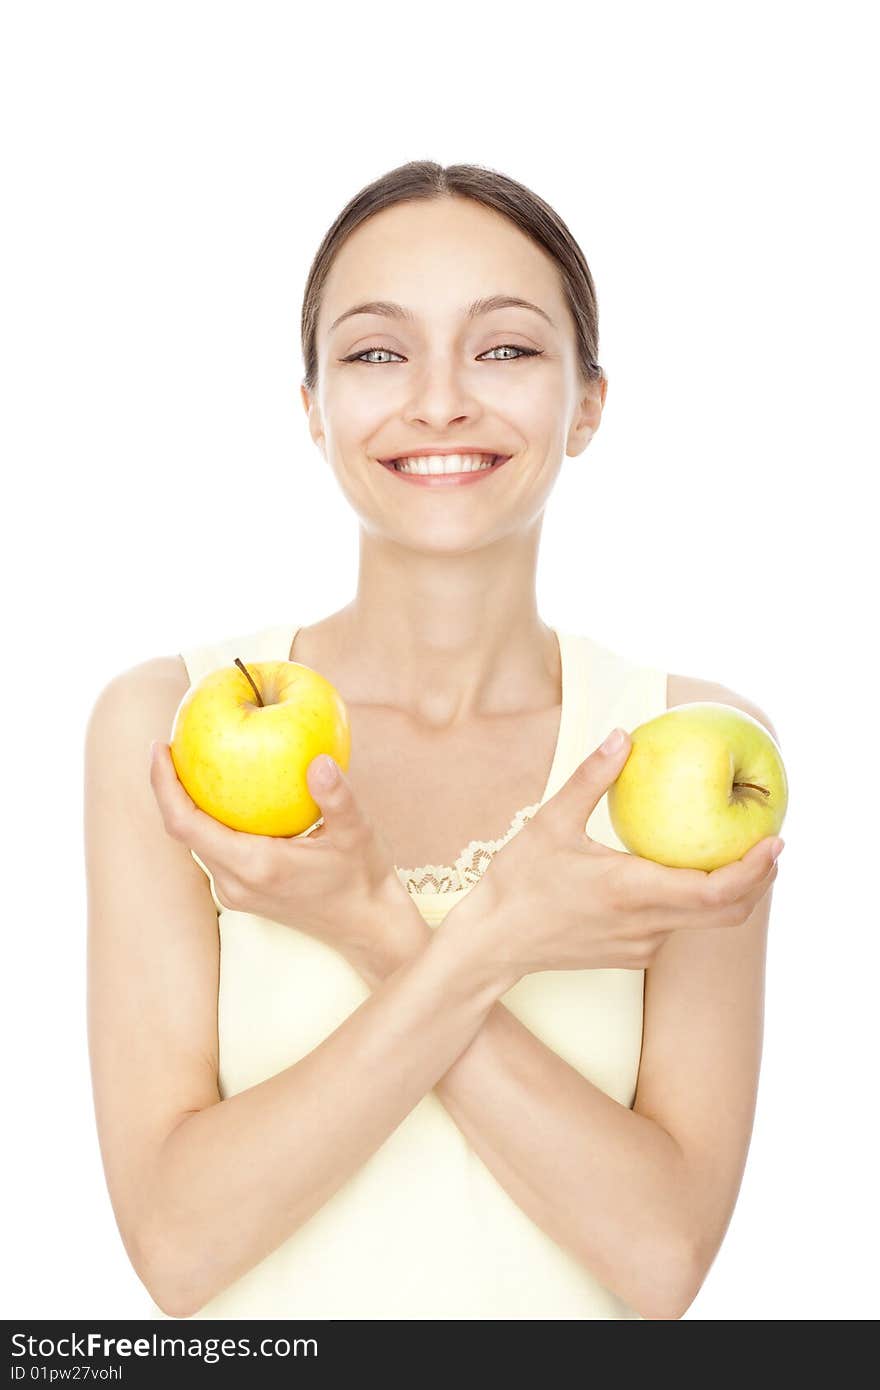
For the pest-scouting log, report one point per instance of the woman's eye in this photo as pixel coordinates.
(502, 347)
(512, 347)
(359, 356)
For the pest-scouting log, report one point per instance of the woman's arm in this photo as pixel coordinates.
(642, 1196)
(236, 1179)
(205, 1188)
(606, 1183)
(175, 1153)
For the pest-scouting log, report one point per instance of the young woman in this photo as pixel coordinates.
(396, 1067)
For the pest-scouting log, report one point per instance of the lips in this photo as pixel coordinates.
(445, 453)
(467, 453)
(445, 480)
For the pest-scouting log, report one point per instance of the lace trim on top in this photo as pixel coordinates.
(469, 866)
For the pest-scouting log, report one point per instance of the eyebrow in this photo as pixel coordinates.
(390, 310)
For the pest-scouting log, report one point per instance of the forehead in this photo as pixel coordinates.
(436, 257)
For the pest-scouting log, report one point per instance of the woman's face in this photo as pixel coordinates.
(438, 378)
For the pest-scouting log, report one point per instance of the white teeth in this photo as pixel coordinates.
(448, 463)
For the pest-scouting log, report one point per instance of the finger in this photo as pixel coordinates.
(731, 882)
(343, 818)
(695, 890)
(577, 798)
(235, 850)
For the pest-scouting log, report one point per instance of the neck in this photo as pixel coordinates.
(444, 638)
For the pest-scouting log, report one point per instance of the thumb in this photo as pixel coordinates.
(586, 786)
(332, 790)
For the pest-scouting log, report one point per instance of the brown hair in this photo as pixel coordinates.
(423, 179)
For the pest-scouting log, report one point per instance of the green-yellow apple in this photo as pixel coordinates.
(703, 783)
(243, 737)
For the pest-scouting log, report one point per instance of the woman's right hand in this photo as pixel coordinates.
(555, 899)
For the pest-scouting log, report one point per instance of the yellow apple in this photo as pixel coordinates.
(703, 783)
(243, 737)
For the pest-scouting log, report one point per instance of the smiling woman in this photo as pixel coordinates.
(406, 1066)
(505, 375)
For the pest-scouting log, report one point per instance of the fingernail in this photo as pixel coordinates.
(324, 771)
(777, 850)
(614, 742)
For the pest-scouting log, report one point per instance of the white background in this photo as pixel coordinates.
(168, 172)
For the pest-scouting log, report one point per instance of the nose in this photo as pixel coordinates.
(440, 397)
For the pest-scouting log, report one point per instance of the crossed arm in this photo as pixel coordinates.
(604, 1182)
(610, 1184)
(641, 1196)
(607, 1183)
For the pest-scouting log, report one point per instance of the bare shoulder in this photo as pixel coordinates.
(133, 707)
(163, 680)
(685, 690)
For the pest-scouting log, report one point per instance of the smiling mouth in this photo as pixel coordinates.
(393, 466)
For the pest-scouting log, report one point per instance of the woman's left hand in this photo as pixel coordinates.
(337, 883)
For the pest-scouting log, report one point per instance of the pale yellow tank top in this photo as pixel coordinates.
(424, 1230)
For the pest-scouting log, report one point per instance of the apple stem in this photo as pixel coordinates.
(241, 666)
(765, 791)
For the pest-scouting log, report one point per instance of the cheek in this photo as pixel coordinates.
(537, 409)
(353, 413)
